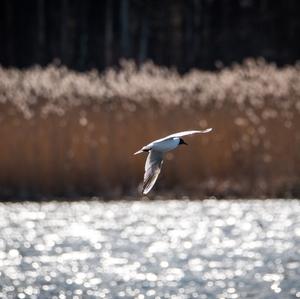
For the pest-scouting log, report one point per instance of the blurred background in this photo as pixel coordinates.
(84, 84)
(185, 34)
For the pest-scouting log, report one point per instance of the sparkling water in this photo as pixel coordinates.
(161, 249)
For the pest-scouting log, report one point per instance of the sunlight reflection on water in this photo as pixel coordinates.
(161, 249)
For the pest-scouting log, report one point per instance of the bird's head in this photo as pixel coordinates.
(181, 141)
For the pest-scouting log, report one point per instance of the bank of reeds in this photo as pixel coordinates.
(68, 133)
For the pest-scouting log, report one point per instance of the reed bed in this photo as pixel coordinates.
(68, 133)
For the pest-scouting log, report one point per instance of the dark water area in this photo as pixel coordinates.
(161, 249)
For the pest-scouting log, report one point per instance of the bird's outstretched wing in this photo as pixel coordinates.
(152, 169)
(186, 133)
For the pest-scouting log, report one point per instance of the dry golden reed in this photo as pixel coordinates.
(69, 133)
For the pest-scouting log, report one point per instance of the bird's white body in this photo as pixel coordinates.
(164, 145)
(156, 151)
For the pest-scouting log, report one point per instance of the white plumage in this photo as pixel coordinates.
(156, 150)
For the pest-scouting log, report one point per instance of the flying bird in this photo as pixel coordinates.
(156, 150)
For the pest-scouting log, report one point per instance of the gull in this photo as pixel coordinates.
(156, 150)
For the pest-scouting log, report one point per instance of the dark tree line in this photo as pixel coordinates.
(183, 33)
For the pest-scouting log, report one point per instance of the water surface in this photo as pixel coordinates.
(161, 249)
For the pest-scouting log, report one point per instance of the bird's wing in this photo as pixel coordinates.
(152, 170)
(186, 133)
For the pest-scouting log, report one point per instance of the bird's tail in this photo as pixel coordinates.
(138, 152)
